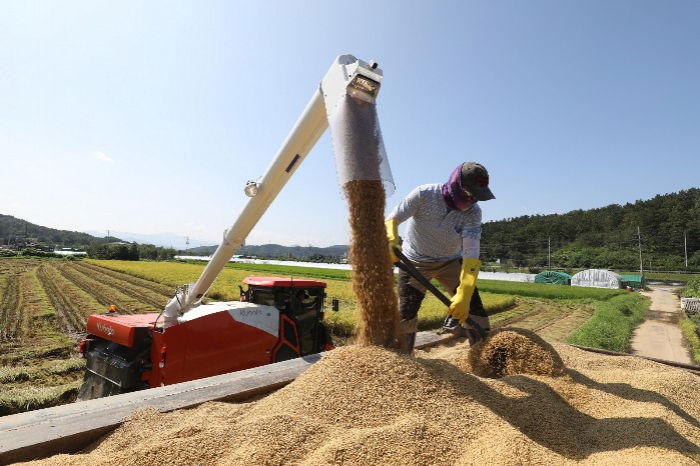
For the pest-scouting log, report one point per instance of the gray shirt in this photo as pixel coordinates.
(434, 232)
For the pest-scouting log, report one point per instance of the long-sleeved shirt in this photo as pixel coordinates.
(434, 232)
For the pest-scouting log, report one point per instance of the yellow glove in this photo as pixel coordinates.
(392, 233)
(459, 309)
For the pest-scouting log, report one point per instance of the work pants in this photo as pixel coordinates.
(412, 292)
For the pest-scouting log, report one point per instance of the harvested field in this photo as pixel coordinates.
(62, 296)
(44, 305)
(369, 405)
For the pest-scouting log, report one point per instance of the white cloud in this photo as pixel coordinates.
(102, 156)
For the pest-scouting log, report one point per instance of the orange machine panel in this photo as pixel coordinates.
(118, 328)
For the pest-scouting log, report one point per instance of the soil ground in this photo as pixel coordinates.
(659, 336)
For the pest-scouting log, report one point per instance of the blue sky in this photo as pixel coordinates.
(149, 117)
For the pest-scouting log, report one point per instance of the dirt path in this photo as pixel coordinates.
(659, 335)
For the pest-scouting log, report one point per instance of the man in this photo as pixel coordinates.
(442, 240)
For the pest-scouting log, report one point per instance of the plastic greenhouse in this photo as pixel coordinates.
(597, 278)
(553, 277)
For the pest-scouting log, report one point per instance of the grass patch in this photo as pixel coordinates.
(14, 374)
(59, 346)
(690, 332)
(668, 276)
(290, 270)
(612, 323)
(548, 291)
(31, 398)
(690, 326)
(692, 288)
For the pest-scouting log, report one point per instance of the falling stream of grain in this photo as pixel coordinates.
(372, 277)
(358, 150)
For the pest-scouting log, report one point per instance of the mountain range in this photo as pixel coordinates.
(165, 240)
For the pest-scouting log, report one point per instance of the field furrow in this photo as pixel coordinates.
(157, 288)
(516, 316)
(62, 295)
(9, 308)
(131, 286)
(551, 320)
(37, 317)
(106, 294)
(564, 324)
(3, 283)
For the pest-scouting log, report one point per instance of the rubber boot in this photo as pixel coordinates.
(451, 325)
(408, 341)
(472, 334)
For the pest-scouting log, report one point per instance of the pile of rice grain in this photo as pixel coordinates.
(513, 351)
(368, 405)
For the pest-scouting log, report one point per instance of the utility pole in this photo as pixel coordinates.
(549, 251)
(187, 242)
(641, 264)
(685, 245)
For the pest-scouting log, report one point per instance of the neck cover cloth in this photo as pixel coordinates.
(454, 195)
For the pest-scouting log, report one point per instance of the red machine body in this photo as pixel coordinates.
(277, 319)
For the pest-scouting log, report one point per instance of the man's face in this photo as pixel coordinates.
(468, 202)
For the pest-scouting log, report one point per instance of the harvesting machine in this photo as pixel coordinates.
(277, 318)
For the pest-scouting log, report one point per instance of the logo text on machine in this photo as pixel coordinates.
(105, 329)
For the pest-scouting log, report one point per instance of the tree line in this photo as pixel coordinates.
(663, 233)
(130, 252)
